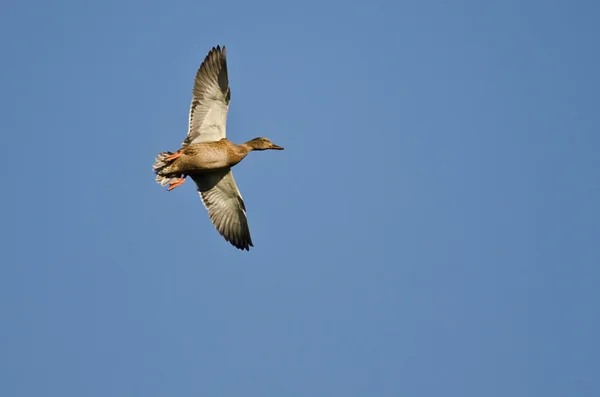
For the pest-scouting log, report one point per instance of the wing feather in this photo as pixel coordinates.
(225, 206)
(210, 101)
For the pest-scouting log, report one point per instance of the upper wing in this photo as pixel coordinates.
(210, 102)
(225, 206)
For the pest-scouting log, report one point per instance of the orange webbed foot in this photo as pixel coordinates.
(173, 156)
(178, 182)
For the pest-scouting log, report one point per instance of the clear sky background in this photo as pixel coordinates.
(432, 228)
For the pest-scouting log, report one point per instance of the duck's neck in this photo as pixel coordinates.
(249, 146)
(236, 153)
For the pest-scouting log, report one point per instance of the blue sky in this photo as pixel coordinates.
(430, 230)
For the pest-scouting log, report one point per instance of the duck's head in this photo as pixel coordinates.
(261, 143)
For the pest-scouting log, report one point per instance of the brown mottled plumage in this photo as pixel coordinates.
(207, 156)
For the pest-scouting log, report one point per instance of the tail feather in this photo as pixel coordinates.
(160, 161)
(160, 167)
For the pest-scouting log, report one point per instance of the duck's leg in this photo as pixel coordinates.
(174, 156)
(178, 182)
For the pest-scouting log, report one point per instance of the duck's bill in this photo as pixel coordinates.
(276, 147)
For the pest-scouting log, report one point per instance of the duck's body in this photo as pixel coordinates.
(207, 155)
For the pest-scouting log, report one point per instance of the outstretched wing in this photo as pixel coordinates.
(225, 206)
(210, 102)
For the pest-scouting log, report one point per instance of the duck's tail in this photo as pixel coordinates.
(161, 168)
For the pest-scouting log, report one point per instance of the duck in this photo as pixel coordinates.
(207, 156)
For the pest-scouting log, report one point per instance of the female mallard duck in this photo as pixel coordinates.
(207, 155)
